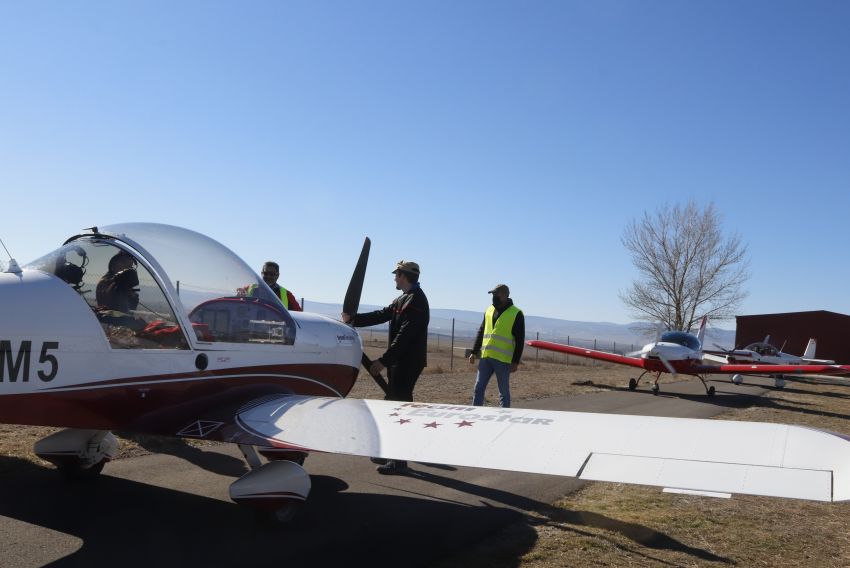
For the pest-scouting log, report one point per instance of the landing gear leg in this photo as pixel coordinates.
(709, 390)
(655, 386)
(633, 383)
(251, 456)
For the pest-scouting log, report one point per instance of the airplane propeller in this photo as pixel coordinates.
(667, 364)
(351, 303)
(355, 287)
(654, 352)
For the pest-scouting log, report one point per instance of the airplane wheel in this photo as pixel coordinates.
(655, 389)
(780, 383)
(710, 391)
(632, 384)
(77, 471)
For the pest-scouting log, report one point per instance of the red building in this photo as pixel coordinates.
(791, 331)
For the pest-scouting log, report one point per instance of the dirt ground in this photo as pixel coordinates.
(614, 524)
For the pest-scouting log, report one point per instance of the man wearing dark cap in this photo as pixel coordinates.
(405, 357)
(499, 343)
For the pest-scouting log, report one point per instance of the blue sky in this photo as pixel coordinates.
(489, 141)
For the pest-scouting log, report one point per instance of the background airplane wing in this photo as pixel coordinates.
(681, 454)
(761, 369)
(592, 353)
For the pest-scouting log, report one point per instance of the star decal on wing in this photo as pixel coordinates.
(433, 424)
(403, 420)
(463, 423)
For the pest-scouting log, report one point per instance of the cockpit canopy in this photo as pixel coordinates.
(681, 338)
(764, 349)
(135, 274)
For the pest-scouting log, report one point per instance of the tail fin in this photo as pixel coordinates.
(701, 333)
(809, 353)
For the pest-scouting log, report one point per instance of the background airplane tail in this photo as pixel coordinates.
(701, 333)
(809, 353)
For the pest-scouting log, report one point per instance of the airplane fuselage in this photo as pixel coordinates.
(57, 367)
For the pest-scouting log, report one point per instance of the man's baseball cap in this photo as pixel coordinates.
(407, 266)
(500, 288)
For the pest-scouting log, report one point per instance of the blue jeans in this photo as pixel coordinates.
(486, 367)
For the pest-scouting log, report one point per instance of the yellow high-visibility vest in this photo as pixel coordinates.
(499, 339)
(284, 296)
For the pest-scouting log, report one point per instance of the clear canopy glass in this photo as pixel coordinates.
(223, 298)
(681, 338)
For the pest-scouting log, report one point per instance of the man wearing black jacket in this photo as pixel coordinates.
(405, 357)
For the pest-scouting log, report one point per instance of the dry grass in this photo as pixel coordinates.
(451, 381)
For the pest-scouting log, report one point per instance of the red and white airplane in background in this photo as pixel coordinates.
(191, 357)
(764, 353)
(679, 352)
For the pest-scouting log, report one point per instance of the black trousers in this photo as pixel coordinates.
(402, 378)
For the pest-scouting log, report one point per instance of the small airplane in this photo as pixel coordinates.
(765, 353)
(157, 329)
(679, 352)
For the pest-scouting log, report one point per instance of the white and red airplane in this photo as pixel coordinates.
(187, 355)
(764, 353)
(678, 352)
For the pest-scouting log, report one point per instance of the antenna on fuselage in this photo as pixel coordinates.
(13, 264)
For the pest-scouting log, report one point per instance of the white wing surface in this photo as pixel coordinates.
(711, 456)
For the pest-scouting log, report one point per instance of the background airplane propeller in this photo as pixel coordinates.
(653, 352)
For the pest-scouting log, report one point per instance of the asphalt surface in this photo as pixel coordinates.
(174, 510)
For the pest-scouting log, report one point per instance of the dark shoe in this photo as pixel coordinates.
(379, 461)
(393, 467)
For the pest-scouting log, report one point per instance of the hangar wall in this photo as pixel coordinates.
(831, 329)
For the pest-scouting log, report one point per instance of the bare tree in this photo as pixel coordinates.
(688, 267)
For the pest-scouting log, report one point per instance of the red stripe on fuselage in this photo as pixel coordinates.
(166, 404)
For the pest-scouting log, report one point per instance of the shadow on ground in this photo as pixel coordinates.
(135, 524)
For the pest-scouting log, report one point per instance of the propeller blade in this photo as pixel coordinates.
(722, 348)
(667, 364)
(355, 287)
(351, 304)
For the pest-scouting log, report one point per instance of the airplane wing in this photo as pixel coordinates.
(705, 369)
(592, 353)
(768, 369)
(689, 455)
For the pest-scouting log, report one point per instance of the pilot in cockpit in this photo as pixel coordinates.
(117, 293)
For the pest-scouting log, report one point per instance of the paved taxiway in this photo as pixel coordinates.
(174, 510)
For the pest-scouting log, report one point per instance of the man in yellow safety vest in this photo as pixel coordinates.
(270, 274)
(499, 343)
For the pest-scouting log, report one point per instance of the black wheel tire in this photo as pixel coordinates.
(655, 389)
(632, 384)
(710, 391)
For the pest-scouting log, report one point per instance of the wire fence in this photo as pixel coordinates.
(458, 345)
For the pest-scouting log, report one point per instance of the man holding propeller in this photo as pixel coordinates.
(405, 357)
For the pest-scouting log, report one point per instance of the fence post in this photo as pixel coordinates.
(537, 354)
(452, 353)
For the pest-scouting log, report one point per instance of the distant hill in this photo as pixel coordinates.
(606, 334)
